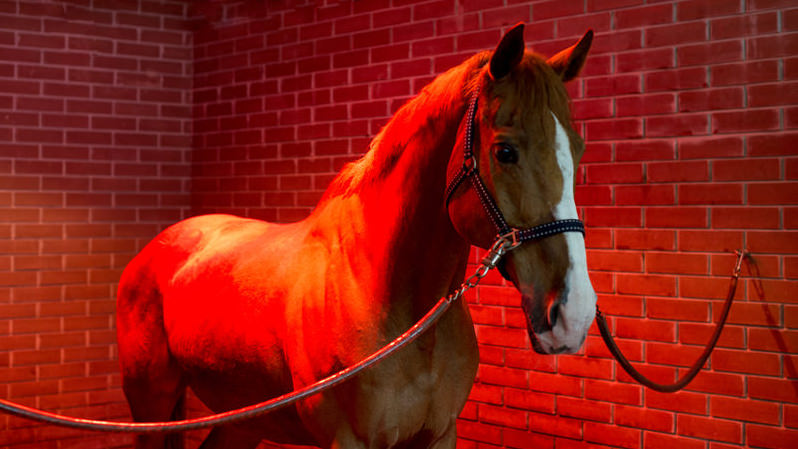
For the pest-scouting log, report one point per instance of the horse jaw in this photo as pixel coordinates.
(576, 307)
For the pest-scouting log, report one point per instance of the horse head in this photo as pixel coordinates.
(520, 143)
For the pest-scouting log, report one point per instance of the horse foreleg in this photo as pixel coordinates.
(158, 408)
(151, 379)
(448, 440)
(230, 437)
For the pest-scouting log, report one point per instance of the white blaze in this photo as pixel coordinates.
(579, 305)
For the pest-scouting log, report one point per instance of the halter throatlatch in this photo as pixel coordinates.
(470, 171)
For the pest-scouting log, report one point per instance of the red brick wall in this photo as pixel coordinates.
(689, 110)
(95, 122)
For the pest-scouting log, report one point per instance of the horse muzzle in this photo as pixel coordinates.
(549, 327)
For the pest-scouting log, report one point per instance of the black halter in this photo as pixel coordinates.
(470, 171)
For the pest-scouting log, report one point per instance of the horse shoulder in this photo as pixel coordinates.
(219, 302)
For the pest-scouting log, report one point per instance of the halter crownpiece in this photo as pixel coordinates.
(470, 171)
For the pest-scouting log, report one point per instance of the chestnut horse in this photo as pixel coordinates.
(241, 310)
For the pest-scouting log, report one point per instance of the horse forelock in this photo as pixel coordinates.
(527, 105)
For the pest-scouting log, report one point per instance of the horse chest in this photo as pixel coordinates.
(419, 393)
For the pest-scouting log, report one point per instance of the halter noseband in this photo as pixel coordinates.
(470, 171)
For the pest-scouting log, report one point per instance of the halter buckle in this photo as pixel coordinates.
(504, 244)
(510, 240)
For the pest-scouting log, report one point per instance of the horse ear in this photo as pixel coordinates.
(568, 63)
(508, 53)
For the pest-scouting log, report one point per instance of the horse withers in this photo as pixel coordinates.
(241, 310)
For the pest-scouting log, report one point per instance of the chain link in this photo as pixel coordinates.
(503, 244)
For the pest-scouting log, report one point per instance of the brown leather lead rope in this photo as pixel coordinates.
(688, 377)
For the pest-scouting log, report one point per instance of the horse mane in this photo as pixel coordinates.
(383, 153)
(535, 83)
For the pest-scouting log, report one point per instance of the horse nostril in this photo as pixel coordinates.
(553, 313)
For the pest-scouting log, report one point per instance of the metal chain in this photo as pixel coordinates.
(503, 244)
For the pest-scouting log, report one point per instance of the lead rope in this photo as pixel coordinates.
(699, 363)
(502, 245)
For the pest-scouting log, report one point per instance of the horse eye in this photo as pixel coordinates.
(506, 154)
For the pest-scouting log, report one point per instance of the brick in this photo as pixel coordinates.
(680, 171)
(772, 145)
(770, 436)
(584, 409)
(771, 389)
(597, 195)
(655, 440)
(555, 425)
(777, 94)
(668, 354)
(646, 284)
(613, 216)
(479, 432)
(773, 193)
(554, 383)
(778, 242)
(745, 121)
(716, 383)
(615, 261)
(644, 16)
(554, 9)
(744, 73)
(716, 241)
(706, 147)
(716, 193)
(774, 290)
(642, 418)
(714, 99)
(621, 84)
(526, 440)
(645, 150)
(780, 45)
(745, 410)
(507, 418)
(677, 309)
(502, 376)
(682, 401)
(499, 336)
(529, 400)
(746, 362)
(645, 239)
(708, 428)
(614, 174)
(676, 217)
(745, 218)
(645, 60)
(678, 33)
(676, 79)
(675, 126)
(710, 53)
(609, 434)
(613, 392)
(651, 104)
(585, 367)
(780, 340)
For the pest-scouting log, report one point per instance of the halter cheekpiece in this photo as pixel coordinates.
(470, 171)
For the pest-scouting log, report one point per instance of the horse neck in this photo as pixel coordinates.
(392, 201)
